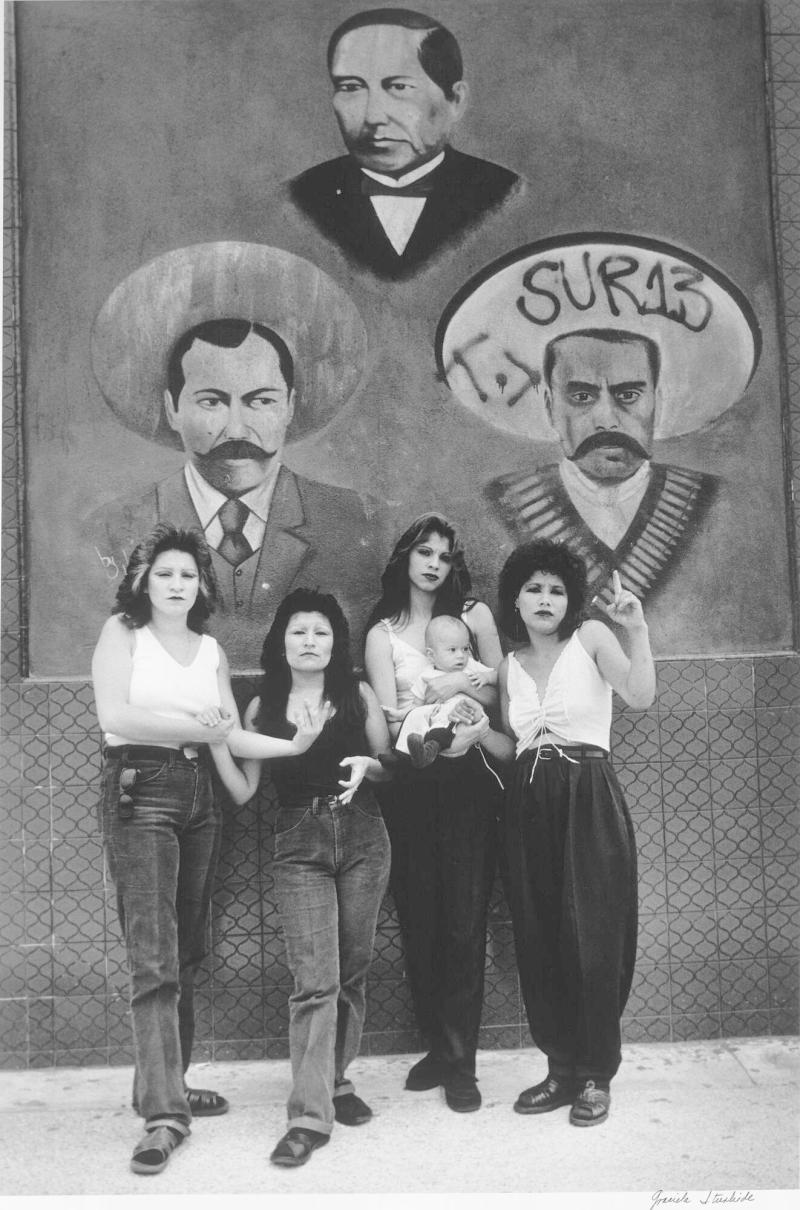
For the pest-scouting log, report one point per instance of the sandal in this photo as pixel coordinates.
(206, 1104)
(151, 1154)
(296, 1146)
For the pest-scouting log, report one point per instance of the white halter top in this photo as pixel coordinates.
(408, 664)
(576, 707)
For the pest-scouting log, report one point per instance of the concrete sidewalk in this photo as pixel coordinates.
(720, 1115)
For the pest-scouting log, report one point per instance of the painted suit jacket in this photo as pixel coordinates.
(464, 190)
(317, 536)
(536, 505)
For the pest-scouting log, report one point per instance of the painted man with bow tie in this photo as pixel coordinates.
(403, 192)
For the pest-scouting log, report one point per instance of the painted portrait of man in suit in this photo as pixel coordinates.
(230, 398)
(402, 192)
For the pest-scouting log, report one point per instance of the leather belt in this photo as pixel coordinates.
(573, 751)
(315, 803)
(134, 752)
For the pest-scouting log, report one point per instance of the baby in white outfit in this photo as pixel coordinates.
(428, 730)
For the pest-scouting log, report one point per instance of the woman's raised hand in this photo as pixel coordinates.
(358, 767)
(625, 609)
(309, 721)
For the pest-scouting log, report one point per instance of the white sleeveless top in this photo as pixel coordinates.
(408, 666)
(577, 701)
(160, 684)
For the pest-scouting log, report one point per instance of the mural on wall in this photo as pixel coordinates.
(402, 192)
(230, 350)
(153, 203)
(604, 345)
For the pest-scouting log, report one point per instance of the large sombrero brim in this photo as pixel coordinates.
(147, 313)
(491, 339)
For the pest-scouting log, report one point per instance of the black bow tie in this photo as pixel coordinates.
(420, 188)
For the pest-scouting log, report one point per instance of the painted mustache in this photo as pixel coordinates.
(606, 440)
(234, 449)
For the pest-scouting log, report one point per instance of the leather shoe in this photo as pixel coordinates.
(296, 1146)
(428, 1073)
(206, 1104)
(591, 1106)
(350, 1110)
(550, 1094)
(461, 1093)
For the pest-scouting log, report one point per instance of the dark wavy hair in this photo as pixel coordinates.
(225, 334)
(453, 594)
(342, 686)
(132, 602)
(439, 53)
(521, 564)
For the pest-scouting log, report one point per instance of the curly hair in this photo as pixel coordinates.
(453, 594)
(541, 555)
(342, 686)
(132, 602)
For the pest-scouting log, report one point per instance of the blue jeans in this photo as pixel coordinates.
(331, 870)
(162, 860)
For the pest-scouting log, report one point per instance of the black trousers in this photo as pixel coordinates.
(571, 858)
(442, 823)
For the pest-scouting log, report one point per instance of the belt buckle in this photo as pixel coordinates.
(545, 752)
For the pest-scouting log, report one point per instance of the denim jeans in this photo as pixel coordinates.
(162, 860)
(331, 870)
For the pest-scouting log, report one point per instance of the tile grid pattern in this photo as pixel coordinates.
(710, 774)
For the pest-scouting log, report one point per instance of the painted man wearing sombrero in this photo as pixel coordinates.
(606, 498)
(603, 346)
(228, 348)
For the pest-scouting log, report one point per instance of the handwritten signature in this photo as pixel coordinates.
(712, 1197)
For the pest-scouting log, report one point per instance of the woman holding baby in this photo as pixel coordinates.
(441, 818)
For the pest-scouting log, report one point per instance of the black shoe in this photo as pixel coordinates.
(591, 1106)
(461, 1093)
(206, 1104)
(296, 1146)
(423, 752)
(428, 1073)
(350, 1110)
(552, 1093)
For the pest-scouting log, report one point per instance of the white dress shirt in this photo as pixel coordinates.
(208, 501)
(607, 508)
(399, 215)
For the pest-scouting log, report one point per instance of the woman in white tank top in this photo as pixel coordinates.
(568, 838)
(163, 694)
(441, 820)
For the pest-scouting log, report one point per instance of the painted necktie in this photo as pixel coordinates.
(234, 547)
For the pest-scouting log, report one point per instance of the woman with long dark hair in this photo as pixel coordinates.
(568, 838)
(441, 819)
(163, 694)
(331, 859)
